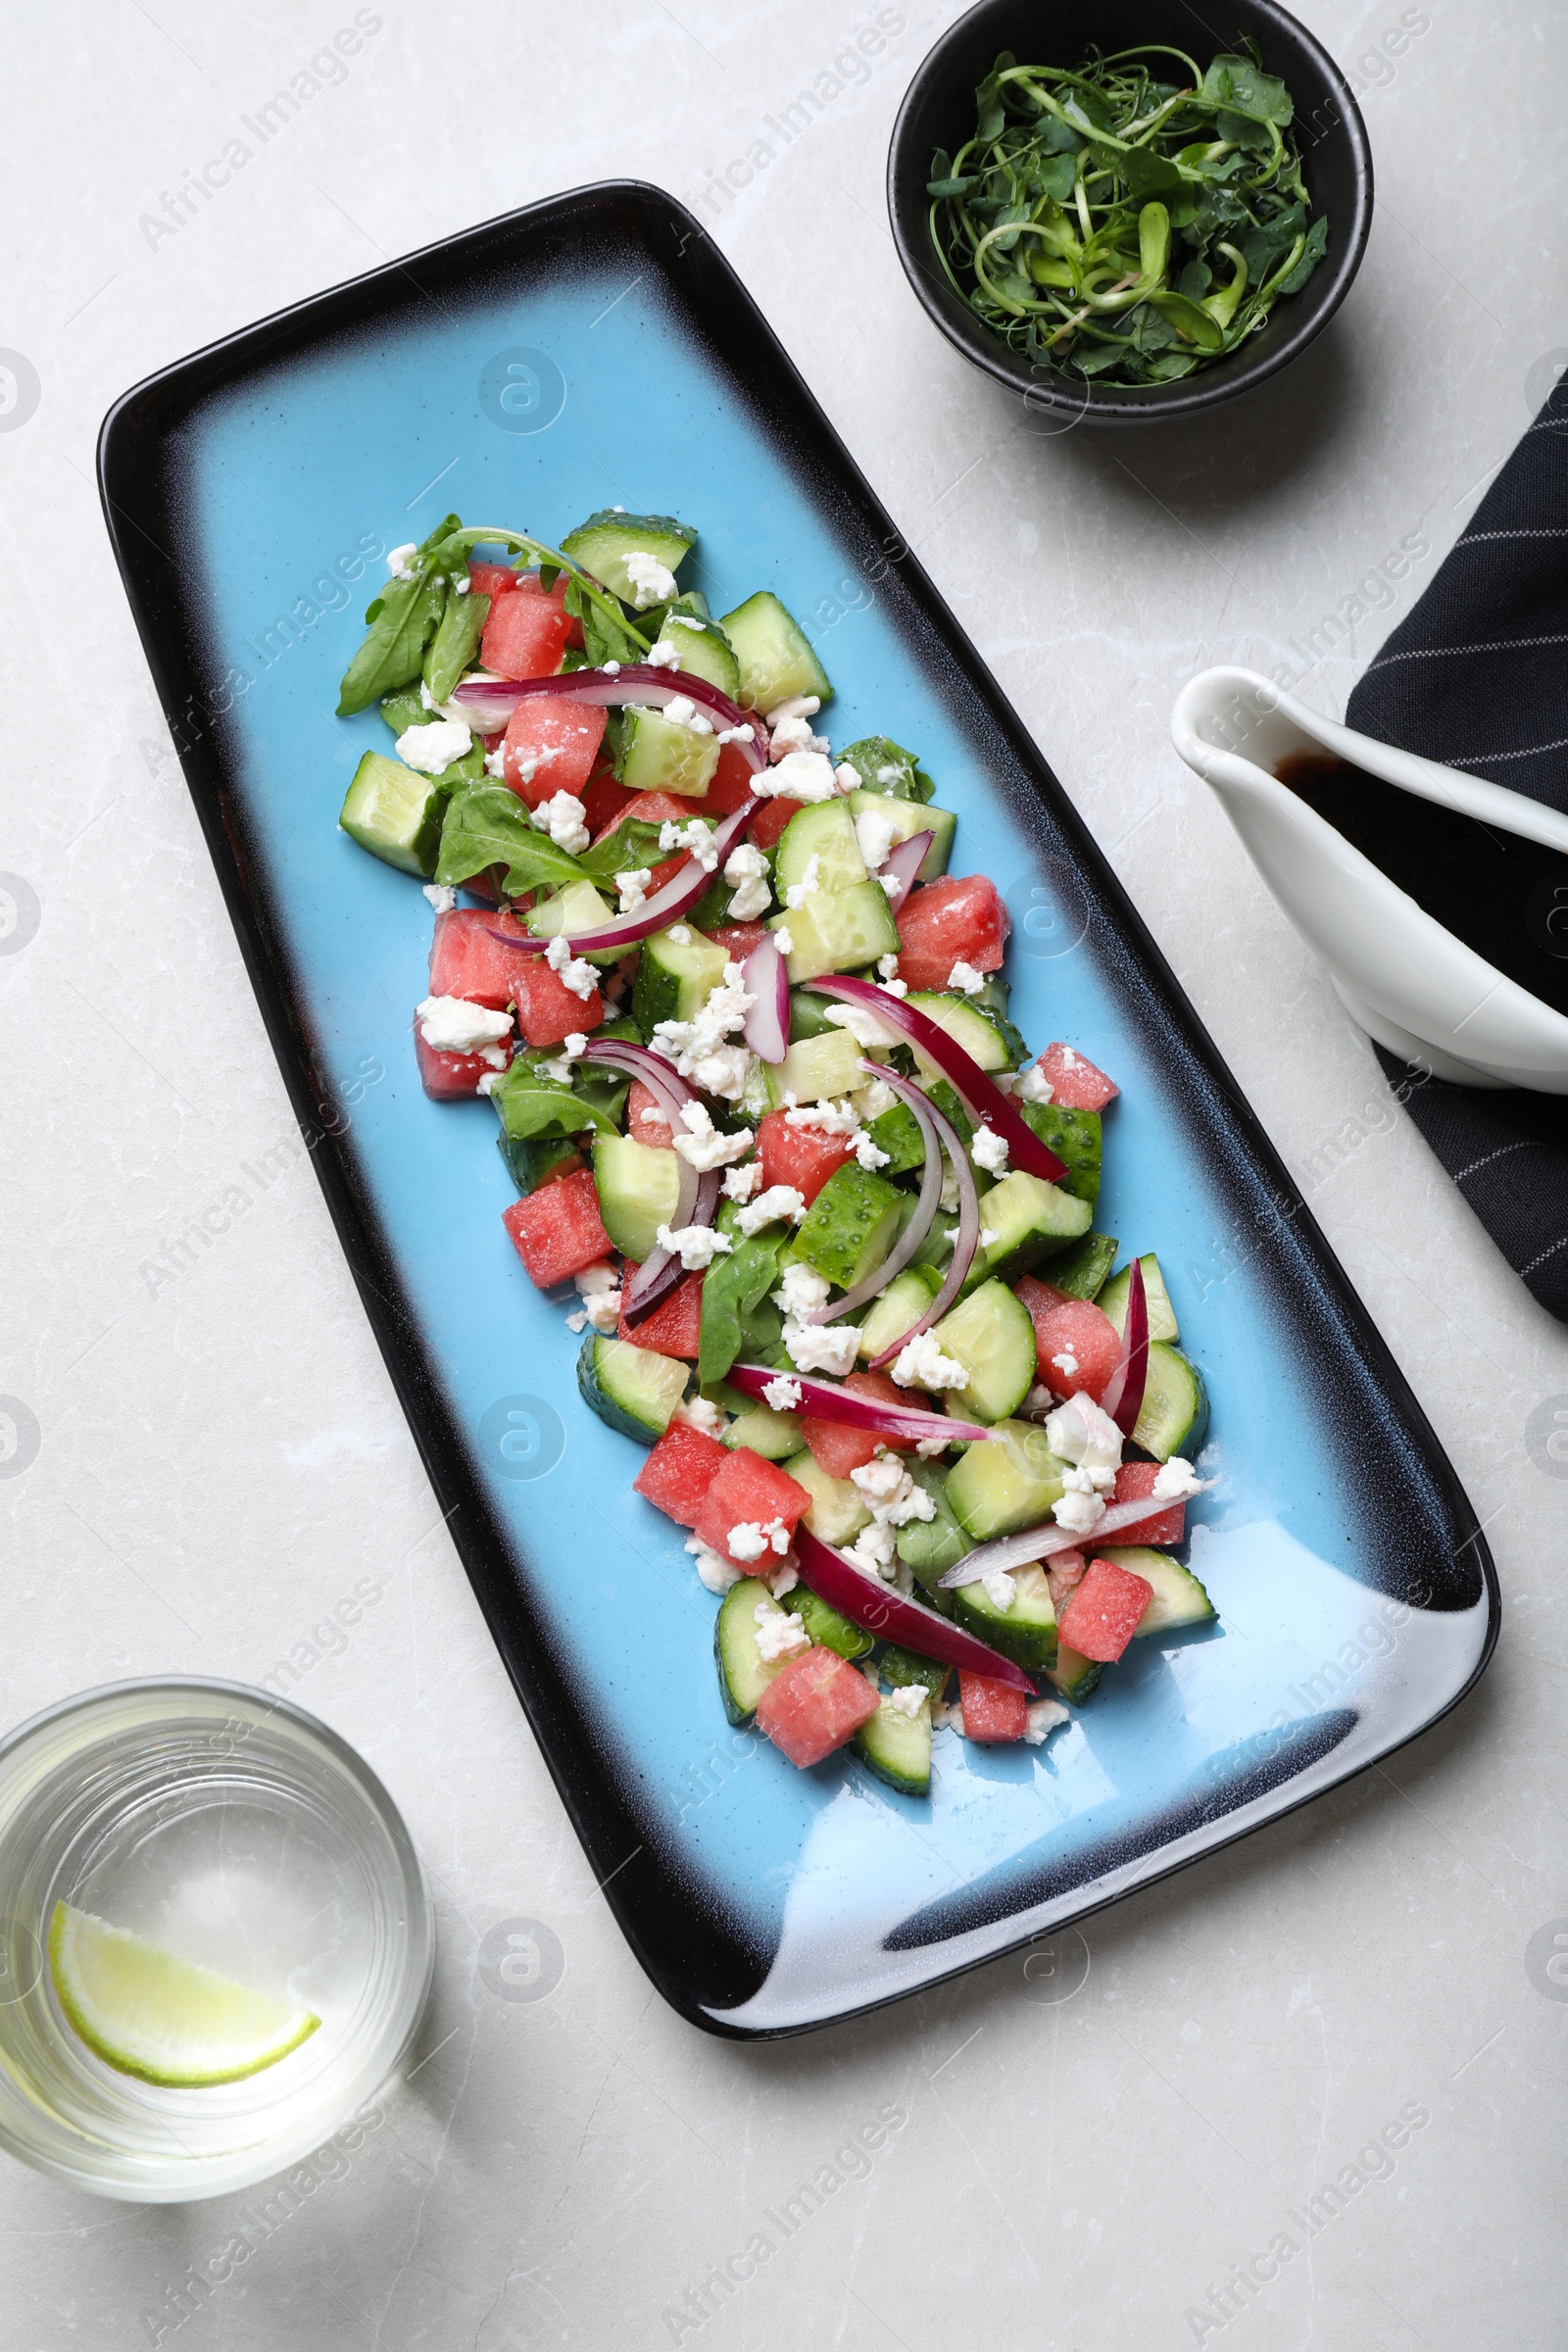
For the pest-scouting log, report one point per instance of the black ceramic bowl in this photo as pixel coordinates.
(938, 111)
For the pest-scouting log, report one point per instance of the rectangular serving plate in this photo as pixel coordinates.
(598, 349)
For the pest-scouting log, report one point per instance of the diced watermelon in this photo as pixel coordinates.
(814, 1704)
(528, 631)
(840, 1448)
(557, 1232)
(959, 920)
(603, 801)
(681, 1468)
(1166, 1524)
(770, 820)
(1075, 1082)
(749, 1491)
(1038, 1295)
(674, 1328)
(991, 1712)
(547, 1011)
(550, 745)
(654, 808)
(1064, 1573)
(1076, 1342)
(804, 1156)
(738, 939)
(654, 1131)
(492, 579)
(468, 961)
(1102, 1617)
(447, 1076)
(729, 784)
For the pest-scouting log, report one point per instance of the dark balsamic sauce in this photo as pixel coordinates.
(1505, 898)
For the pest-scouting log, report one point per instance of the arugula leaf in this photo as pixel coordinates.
(602, 639)
(454, 643)
(403, 619)
(875, 754)
(735, 1288)
(487, 826)
(531, 1104)
(632, 843)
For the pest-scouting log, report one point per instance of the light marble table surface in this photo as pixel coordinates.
(217, 1463)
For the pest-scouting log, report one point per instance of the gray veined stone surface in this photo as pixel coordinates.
(1308, 2091)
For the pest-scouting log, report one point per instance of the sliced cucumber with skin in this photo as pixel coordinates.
(628, 1387)
(774, 1436)
(931, 1546)
(1082, 1267)
(825, 1626)
(602, 544)
(851, 1225)
(809, 1015)
(744, 1674)
(1174, 1414)
(901, 1304)
(897, 1747)
(1111, 1301)
(530, 1161)
(817, 1067)
(1030, 1220)
(1073, 1676)
(897, 1133)
(990, 1335)
(395, 814)
(657, 756)
(907, 818)
(825, 831)
(639, 1190)
(837, 1509)
(1179, 1599)
(845, 922)
(900, 1667)
(577, 907)
(775, 660)
(1076, 1138)
(704, 652)
(678, 972)
(1012, 1480)
(1025, 1631)
(981, 1037)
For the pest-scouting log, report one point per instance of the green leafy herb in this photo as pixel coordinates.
(487, 826)
(454, 643)
(1128, 222)
(531, 1103)
(403, 619)
(735, 1295)
(885, 767)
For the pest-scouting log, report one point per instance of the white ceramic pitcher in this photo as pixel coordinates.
(1415, 988)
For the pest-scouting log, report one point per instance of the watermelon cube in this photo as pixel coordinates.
(445, 1077)
(674, 1328)
(603, 800)
(528, 629)
(750, 1492)
(551, 744)
(767, 826)
(959, 920)
(804, 1156)
(492, 579)
(814, 1704)
(1077, 1344)
(557, 1232)
(992, 1712)
(730, 783)
(738, 939)
(645, 1122)
(680, 1469)
(1075, 1082)
(547, 1011)
(468, 961)
(838, 1447)
(1102, 1617)
(1166, 1524)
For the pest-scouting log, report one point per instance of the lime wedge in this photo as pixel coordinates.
(170, 2021)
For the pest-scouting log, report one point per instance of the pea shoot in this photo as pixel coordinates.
(1126, 221)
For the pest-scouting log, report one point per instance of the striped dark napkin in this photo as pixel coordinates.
(1477, 676)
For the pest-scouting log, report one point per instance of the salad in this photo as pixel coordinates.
(826, 1221)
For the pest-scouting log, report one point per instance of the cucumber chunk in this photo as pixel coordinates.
(898, 1747)
(977, 1032)
(1073, 1676)
(1179, 1599)
(897, 1133)
(774, 1436)
(845, 922)
(824, 1624)
(837, 1509)
(851, 1226)
(1076, 1138)
(675, 977)
(1112, 1299)
(744, 1674)
(1031, 1220)
(990, 1335)
(1012, 1482)
(530, 1161)
(900, 1667)
(901, 1303)
(639, 1186)
(1174, 1414)
(826, 832)
(630, 1387)
(1081, 1269)
(602, 544)
(395, 814)
(818, 1066)
(578, 908)
(775, 660)
(931, 1546)
(657, 756)
(705, 651)
(1026, 1630)
(909, 817)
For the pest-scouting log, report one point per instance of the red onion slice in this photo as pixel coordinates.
(925, 1207)
(1040, 1542)
(866, 1602)
(681, 891)
(984, 1099)
(1123, 1394)
(824, 1401)
(903, 866)
(766, 1027)
(965, 1241)
(493, 701)
(697, 1201)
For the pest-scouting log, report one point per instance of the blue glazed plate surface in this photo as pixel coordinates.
(596, 349)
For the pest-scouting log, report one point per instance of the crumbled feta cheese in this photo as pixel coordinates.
(495, 764)
(742, 734)
(876, 1547)
(783, 940)
(697, 1047)
(880, 1477)
(846, 780)
(793, 733)
(1065, 1363)
(680, 935)
(452, 1025)
(949, 1186)
(578, 1321)
(633, 887)
(780, 1634)
(746, 871)
(1079, 1513)
(908, 1699)
(696, 838)
(487, 1080)
(428, 701)
(740, 1183)
(784, 1580)
(783, 1395)
(779, 1201)
(1069, 1059)
(573, 971)
(822, 1347)
(1175, 1480)
(612, 670)
(832, 1117)
(798, 892)
(800, 1291)
(724, 1072)
(1034, 1086)
(864, 1025)
(794, 706)
(948, 1718)
(989, 1237)
(704, 1414)
(432, 746)
(696, 1246)
(652, 582)
(442, 897)
(460, 583)
(400, 559)
(716, 1573)
(663, 655)
(562, 817)
(682, 712)
(922, 1365)
(798, 776)
(999, 1588)
(599, 1287)
(1082, 1434)
(965, 979)
(887, 968)
(870, 1155)
(1041, 1717)
(989, 1150)
(892, 1494)
(704, 1146)
(684, 621)
(929, 1447)
(750, 1540)
(876, 833)
(872, 1099)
